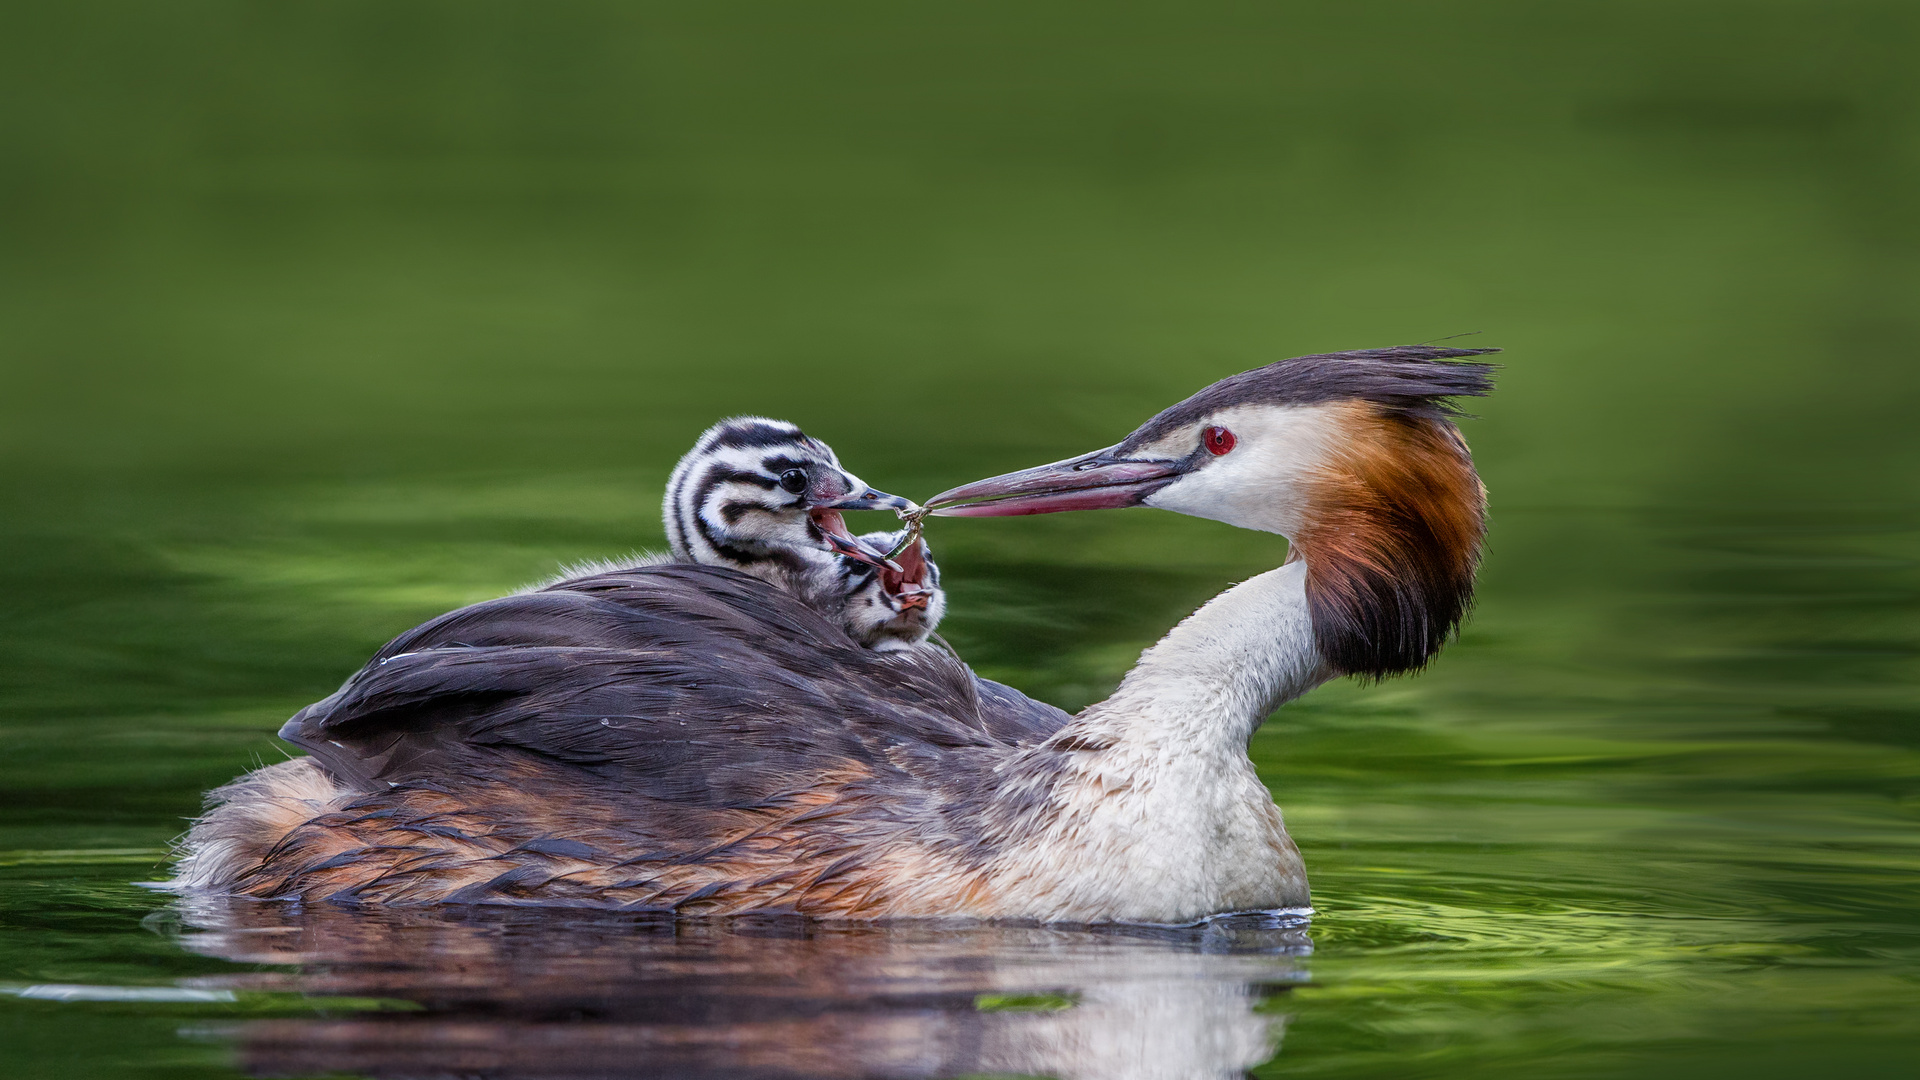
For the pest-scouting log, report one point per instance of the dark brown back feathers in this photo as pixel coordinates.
(694, 683)
(660, 736)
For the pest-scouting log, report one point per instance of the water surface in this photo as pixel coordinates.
(318, 322)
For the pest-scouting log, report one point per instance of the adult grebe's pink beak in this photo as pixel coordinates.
(1102, 480)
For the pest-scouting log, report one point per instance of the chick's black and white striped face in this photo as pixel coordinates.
(760, 496)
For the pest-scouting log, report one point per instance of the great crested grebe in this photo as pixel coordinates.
(684, 737)
(761, 497)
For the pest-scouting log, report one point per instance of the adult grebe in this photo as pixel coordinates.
(686, 737)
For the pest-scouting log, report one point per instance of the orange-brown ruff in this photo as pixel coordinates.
(689, 738)
(1392, 540)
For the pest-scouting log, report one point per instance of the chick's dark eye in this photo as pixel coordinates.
(1217, 440)
(794, 480)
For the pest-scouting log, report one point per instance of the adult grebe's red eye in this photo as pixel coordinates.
(1218, 440)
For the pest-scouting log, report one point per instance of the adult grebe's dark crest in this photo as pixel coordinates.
(685, 737)
(761, 497)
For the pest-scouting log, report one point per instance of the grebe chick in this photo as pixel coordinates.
(761, 497)
(888, 609)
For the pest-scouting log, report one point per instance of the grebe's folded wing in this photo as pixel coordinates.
(691, 684)
(1013, 716)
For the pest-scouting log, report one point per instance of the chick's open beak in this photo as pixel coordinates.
(826, 515)
(868, 499)
(833, 529)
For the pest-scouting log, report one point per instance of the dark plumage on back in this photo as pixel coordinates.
(644, 670)
(669, 736)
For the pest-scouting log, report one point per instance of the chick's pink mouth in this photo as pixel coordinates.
(831, 522)
(833, 528)
(909, 584)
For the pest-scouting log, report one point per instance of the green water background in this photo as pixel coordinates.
(319, 319)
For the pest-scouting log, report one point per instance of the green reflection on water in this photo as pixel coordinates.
(317, 322)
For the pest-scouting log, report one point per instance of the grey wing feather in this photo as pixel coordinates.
(695, 685)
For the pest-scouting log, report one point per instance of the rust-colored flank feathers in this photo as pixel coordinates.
(526, 841)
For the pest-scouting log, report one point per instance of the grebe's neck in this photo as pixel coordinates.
(1215, 677)
(1146, 806)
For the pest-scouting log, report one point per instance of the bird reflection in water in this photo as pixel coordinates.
(500, 992)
